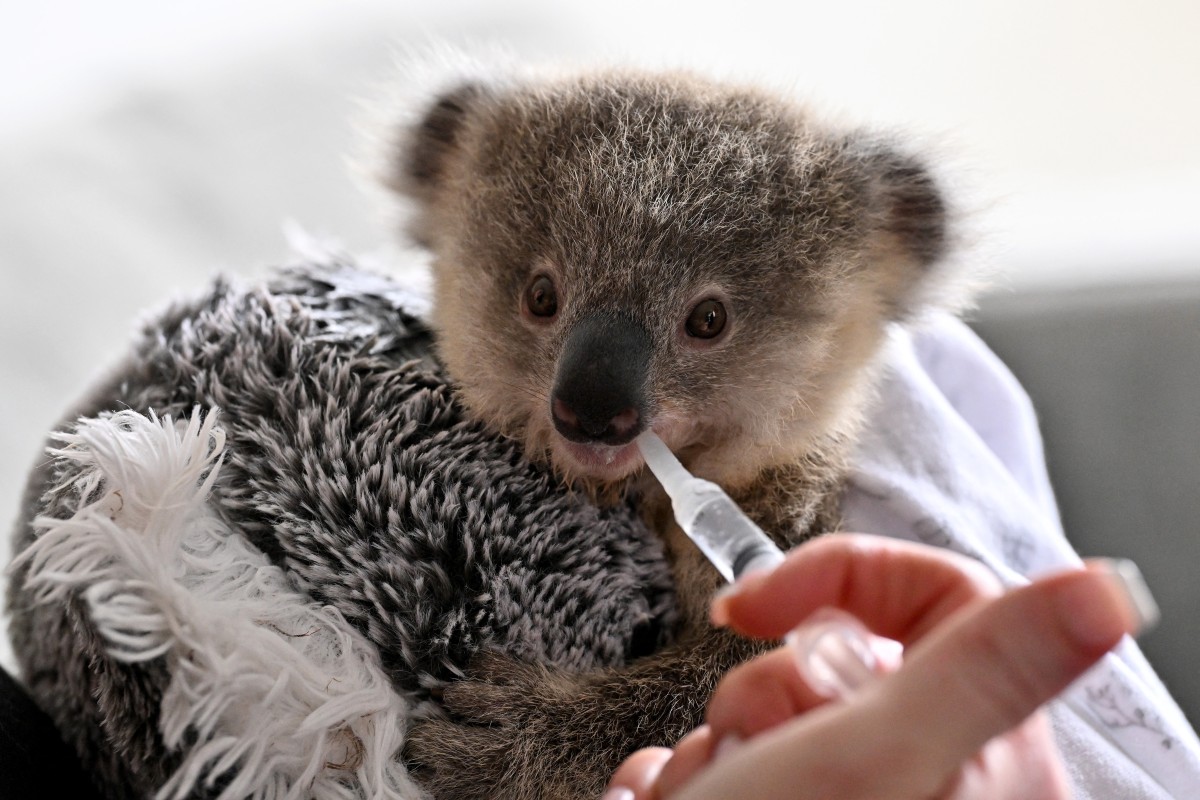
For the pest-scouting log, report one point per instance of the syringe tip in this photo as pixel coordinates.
(662, 462)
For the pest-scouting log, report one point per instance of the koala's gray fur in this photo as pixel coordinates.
(637, 195)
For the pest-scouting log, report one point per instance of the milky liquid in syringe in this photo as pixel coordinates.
(710, 518)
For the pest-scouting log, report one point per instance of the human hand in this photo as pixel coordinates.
(959, 719)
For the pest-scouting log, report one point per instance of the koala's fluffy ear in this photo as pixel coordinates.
(910, 224)
(426, 147)
(912, 206)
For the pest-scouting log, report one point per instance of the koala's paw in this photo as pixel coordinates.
(513, 732)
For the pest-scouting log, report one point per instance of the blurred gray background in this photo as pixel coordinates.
(145, 146)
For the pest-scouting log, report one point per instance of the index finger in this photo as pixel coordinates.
(899, 589)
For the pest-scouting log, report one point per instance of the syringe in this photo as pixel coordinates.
(834, 651)
(710, 518)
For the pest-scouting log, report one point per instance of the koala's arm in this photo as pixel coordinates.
(523, 732)
(520, 731)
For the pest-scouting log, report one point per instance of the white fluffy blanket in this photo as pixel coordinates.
(266, 686)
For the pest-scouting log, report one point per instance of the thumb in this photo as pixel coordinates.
(992, 665)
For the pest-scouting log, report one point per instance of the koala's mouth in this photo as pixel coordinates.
(603, 461)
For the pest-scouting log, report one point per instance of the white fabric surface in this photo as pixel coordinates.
(952, 457)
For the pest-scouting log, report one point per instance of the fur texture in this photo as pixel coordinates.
(348, 463)
(750, 254)
(270, 695)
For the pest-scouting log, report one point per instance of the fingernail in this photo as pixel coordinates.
(618, 793)
(728, 744)
(1097, 613)
(718, 612)
(836, 653)
(1129, 579)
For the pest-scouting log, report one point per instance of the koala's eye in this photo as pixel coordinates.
(706, 320)
(541, 298)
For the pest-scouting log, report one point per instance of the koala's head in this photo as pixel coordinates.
(619, 251)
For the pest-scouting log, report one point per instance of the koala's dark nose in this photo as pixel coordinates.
(600, 392)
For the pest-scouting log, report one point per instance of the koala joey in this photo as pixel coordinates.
(616, 251)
